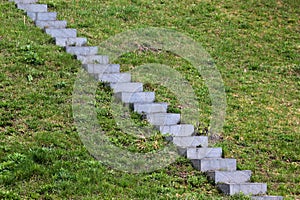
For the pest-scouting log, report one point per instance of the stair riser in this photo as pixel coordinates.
(63, 42)
(46, 16)
(61, 33)
(142, 97)
(127, 87)
(94, 59)
(177, 130)
(200, 153)
(206, 165)
(32, 7)
(101, 68)
(24, 1)
(82, 50)
(190, 141)
(114, 78)
(50, 24)
(267, 198)
(230, 177)
(163, 119)
(150, 108)
(246, 189)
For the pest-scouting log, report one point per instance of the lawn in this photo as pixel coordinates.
(255, 46)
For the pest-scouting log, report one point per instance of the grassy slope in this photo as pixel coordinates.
(256, 48)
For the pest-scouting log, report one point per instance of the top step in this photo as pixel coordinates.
(32, 7)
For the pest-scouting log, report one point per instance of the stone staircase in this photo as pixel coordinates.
(222, 171)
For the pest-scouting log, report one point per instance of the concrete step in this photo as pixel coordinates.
(51, 24)
(62, 32)
(127, 87)
(177, 130)
(245, 188)
(163, 119)
(230, 177)
(113, 77)
(267, 197)
(93, 59)
(76, 41)
(135, 97)
(82, 50)
(32, 7)
(101, 68)
(24, 1)
(190, 141)
(42, 16)
(144, 108)
(214, 164)
(200, 153)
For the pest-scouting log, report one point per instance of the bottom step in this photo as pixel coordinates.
(245, 188)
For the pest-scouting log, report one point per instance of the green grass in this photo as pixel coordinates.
(255, 46)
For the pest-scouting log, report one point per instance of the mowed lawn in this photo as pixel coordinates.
(255, 46)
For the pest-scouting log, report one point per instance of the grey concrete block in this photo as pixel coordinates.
(62, 33)
(82, 50)
(200, 153)
(24, 1)
(177, 130)
(230, 177)
(144, 108)
(127, 87)
(50, 24)
(113, 77)
(245, 188)
(135, 97)
(77, 41)
(163, 119)
(42, 16)
(267, 197)
(190, 141)
(214, 164)
(32, 7)
(101, 68)
(93, 59)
